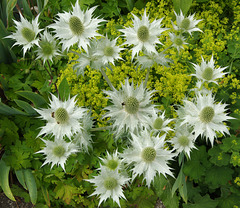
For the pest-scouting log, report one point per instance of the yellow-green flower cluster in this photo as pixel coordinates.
(237, 181)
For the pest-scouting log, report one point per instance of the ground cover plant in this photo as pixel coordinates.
(120, 103)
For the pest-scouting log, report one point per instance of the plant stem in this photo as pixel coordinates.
(147, 76)
(107, 79)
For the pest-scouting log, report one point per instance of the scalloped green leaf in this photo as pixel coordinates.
(35, 98)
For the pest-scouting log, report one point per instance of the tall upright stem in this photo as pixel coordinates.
(107, 79)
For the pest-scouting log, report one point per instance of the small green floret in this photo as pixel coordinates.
(59, 151)
(28, 34)
(47, 48)
(178, 41)
(108, 51)
(143, 33)
(112, 164)
(61, 116)
(110, 183)
(207, 114)
(131, 105)
(207, 73)
(183, 141)
(185, 24)
(158, 123)
(149, 154)
(76, 25)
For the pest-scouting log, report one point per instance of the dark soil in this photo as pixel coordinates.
(8, 203)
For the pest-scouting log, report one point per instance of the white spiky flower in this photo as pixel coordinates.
(149, 59)
(144, 34)
(76, 26)
(148, 156)
(84, 137)
(178, 41)
(206, 72)
(26, 34)
(62, 118)
(186, 24)
(109, 185)
(205, 116)
(57, 152)
(158, 123)
(183, 141)
(130, 107)
(47, 47)
(108, 51)
(112, 161)
(88, 58)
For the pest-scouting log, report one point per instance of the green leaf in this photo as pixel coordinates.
(218, 176)
(64, 90)
(162, 188)
(6, 110)
(26, 107)
(31, 185)
(218, 157)
(20, 177)
(130, 5)
(46, 196)
(230, 144)
(201, 202)
(65, 192)
(26, 8)
(36, 99)
(196, 167)
(4, 182)
(183, 5)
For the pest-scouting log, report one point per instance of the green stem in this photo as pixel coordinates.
(147, 76)
(106, 78)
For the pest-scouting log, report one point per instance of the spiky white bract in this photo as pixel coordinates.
(149, 59)
(178, 41)
(57, 152)
(84, 137)
(109, 185)
(26, 33)
(206, 72)
(205, 116)
(62, 118)
(144, 34)
(112, 161)
(183, 141)
(158, 123)
(108, 51)
(148, 156)
(130, 108)
(47, 47)
(76, 26)
(186, 24)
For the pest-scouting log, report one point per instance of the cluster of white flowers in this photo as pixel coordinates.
(132, 111)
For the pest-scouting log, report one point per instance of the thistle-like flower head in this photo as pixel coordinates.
(206, 72)
(205, 116)
(62, 118)
(76, 26)
(109, 185)
(144, 34)
(57, 152)
(186, 24)
(26, 33)
(148, 156)
(130, 107)
(178, 41)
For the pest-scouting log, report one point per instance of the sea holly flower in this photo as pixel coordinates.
(109, 185)
(158, 123)
(57, 152)
(183, 141)
(47, 47)
(144, 34)
(149, 59)
(148, 156)
(186, 24)
(178, 41)
(112, 162)
(205, 116)
(107, 50)
(206, 72)
(84, 137)
(76, 26)
(130, 107)
(62, 118)
(26, 34)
